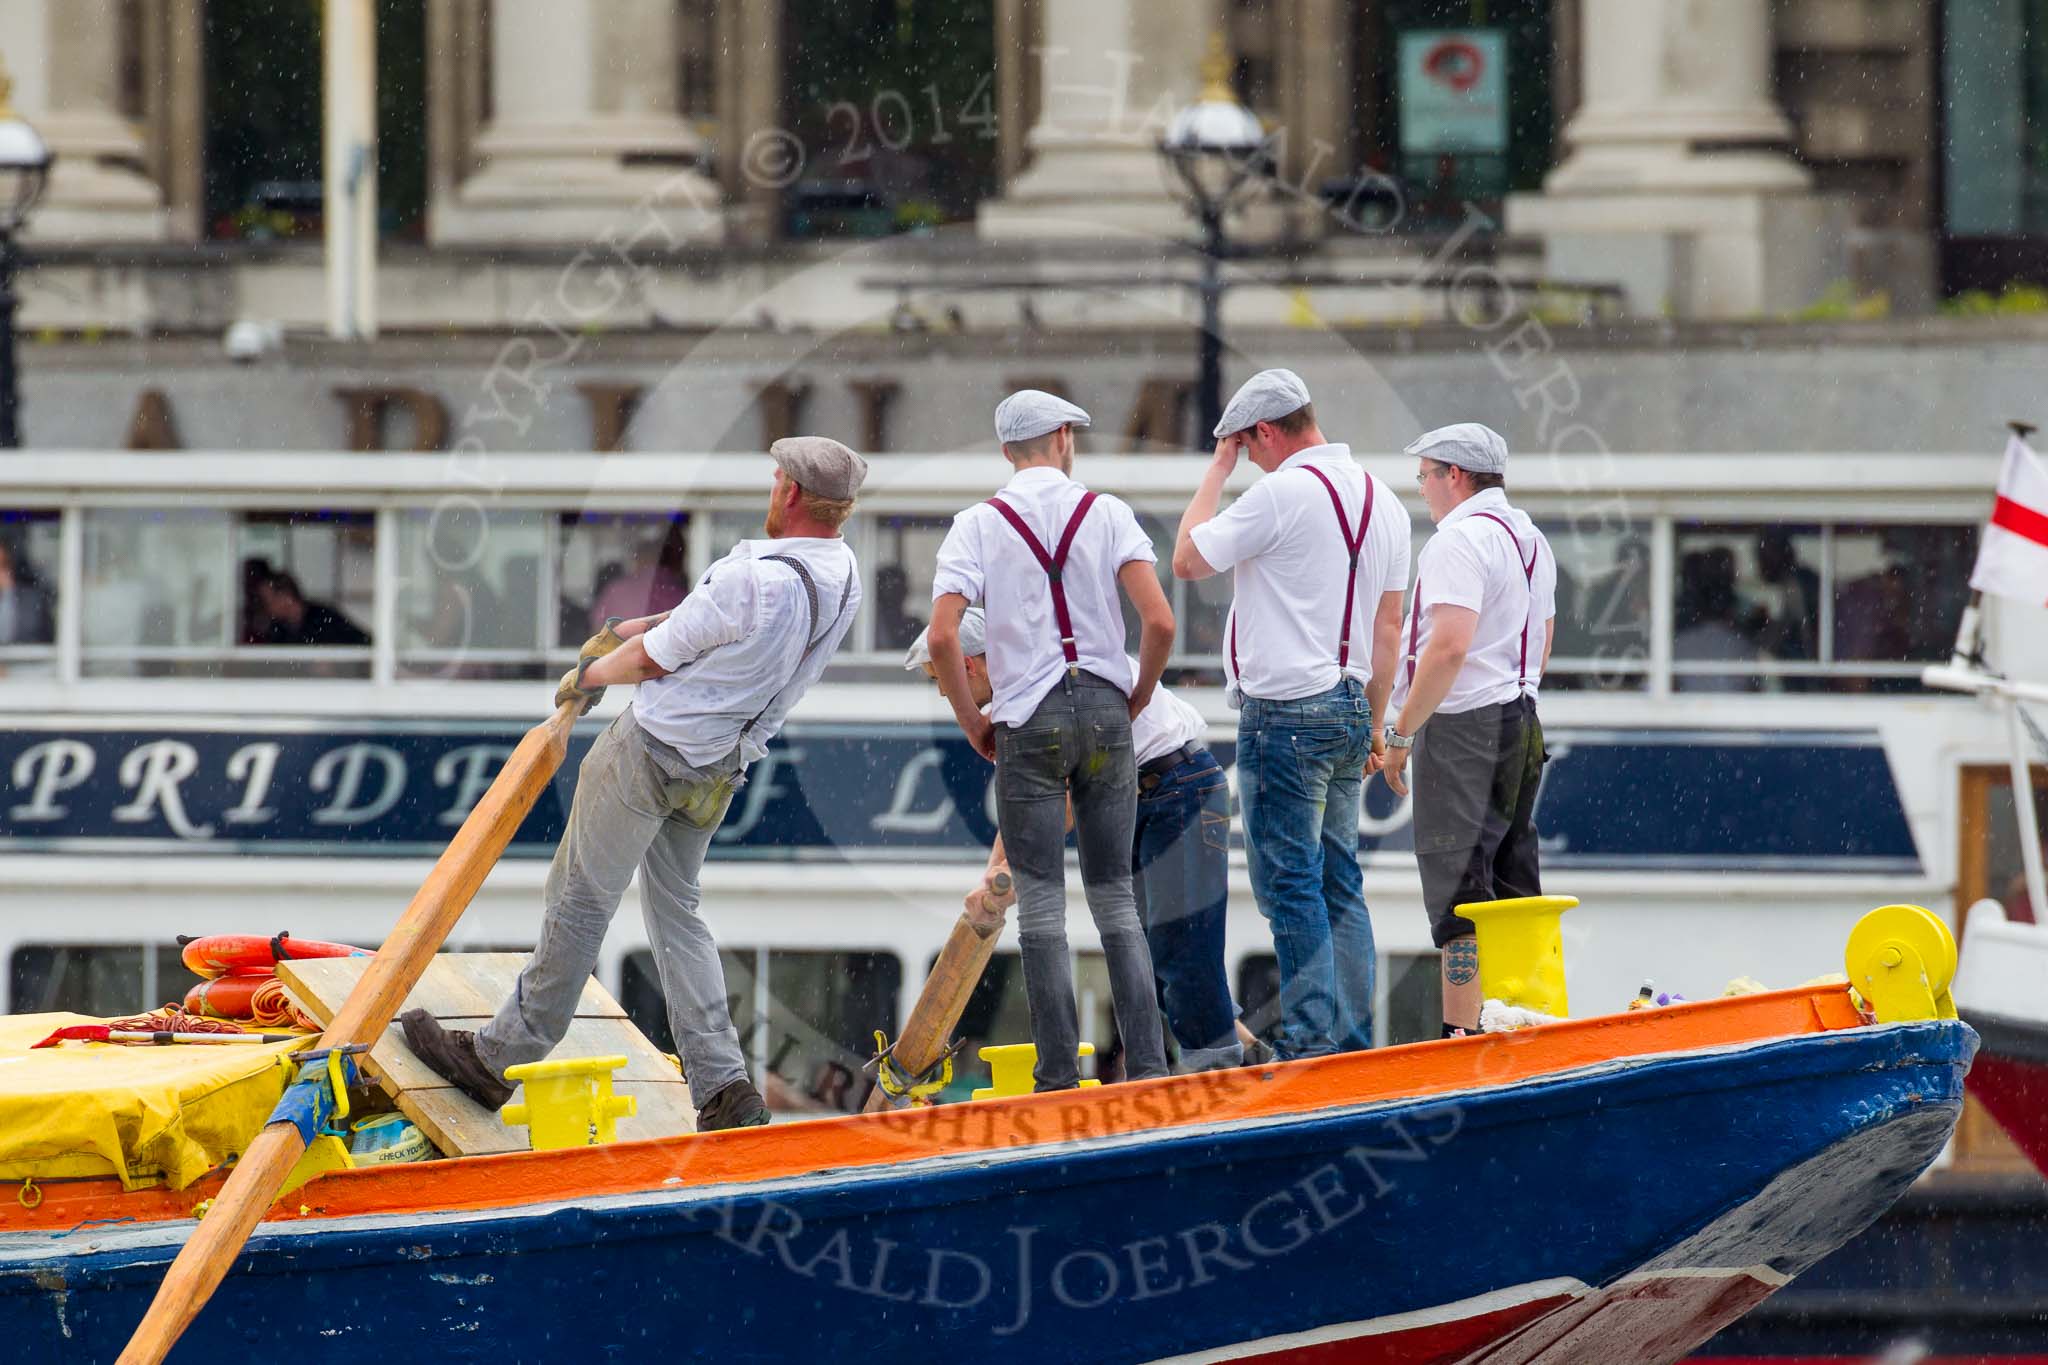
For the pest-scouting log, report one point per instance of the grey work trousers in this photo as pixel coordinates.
(1077, 742)
(638, 805)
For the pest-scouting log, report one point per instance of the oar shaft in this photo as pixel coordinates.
(943, 1000)
(253, 1184)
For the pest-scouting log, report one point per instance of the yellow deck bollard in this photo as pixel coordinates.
(1010, 1066)
(1521, 951)
(569, 1102)
(1901, 959)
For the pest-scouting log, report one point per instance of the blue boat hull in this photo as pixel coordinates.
(1648, 1202)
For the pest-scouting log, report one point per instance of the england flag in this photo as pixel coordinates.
(2012, 559)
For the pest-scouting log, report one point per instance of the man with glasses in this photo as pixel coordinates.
(1321, 553)
(1479, 633)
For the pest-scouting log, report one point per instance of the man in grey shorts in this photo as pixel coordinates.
(1046, 558)
(1478, 639)
(713, 680)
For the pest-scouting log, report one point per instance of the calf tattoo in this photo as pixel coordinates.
(1461, 962)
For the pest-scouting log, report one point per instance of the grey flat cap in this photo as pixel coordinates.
(821, 465)
(973, 640)
(1468, 445)
(1265, 397)
(1030, 413)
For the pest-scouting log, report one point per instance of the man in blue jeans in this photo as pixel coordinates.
(1321, 553)
(1180, 857)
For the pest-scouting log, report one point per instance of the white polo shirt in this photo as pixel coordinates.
(1287, 609)
(1166, 724)
(735, 647)
(1472, 562)
(984, 560)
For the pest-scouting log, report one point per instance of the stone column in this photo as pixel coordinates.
(65, 57)
(1113, 74)
(1678, 182)
(584, 128)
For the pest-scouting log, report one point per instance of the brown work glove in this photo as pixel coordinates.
(572, 689)
(604, 642)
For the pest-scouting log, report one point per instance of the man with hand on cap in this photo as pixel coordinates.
(1180, 859)
(1479, 634)
(713, 680)
(1045, 557)
(1321, 553)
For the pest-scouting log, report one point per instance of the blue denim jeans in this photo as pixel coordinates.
(1180, 859)
(1076, 744)
(1300, 777)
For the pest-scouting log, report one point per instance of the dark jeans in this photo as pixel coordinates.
(1476, 775)
(1181, 858)
(1300, 778)
(1078, 743)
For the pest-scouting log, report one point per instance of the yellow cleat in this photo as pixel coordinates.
(569, 1102)
(1010, 1066)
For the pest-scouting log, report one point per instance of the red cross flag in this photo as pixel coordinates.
(2012, 559)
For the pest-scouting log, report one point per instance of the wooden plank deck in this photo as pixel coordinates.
(463, 990)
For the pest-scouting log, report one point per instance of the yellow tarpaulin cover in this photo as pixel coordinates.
(146, 1114)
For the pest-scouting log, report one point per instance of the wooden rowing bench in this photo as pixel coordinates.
(463, 990)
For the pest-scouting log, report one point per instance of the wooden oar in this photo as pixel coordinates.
(943, 1000)
(253, 1183)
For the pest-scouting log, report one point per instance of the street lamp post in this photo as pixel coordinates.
(25, 161)
(1219, 151)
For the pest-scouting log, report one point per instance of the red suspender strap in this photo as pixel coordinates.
(1414, 627)
(1353, 544)
(1054, 565)
(1529, 579)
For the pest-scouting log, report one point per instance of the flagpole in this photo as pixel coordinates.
(2023, 803)
(1965, 672)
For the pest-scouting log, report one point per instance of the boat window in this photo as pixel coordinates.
(1410, 1006)
(996, 1013)
(1603, 605)
(468, 592)
(806, 1020)
(198, 592)
(104, 980)
(1258, 994)
(1814, 608)
(28, 592)
(1413, 1007)
(905, 553)
(617, 564)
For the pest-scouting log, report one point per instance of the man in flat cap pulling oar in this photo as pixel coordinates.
(713, 681)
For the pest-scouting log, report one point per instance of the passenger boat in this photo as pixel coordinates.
(1613, 1188)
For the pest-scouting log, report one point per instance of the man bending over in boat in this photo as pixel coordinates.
(1180, 860)
(713, 681)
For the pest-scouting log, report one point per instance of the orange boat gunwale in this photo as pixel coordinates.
(749, 1155)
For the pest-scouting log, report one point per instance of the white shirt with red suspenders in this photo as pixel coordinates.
(1042, 558)
(1488, 557)
(1314, 544)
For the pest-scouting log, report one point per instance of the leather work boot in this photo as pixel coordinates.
(450, 1053)
(739, 1105)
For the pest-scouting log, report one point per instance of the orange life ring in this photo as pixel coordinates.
(228, 997)
(230, 954)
